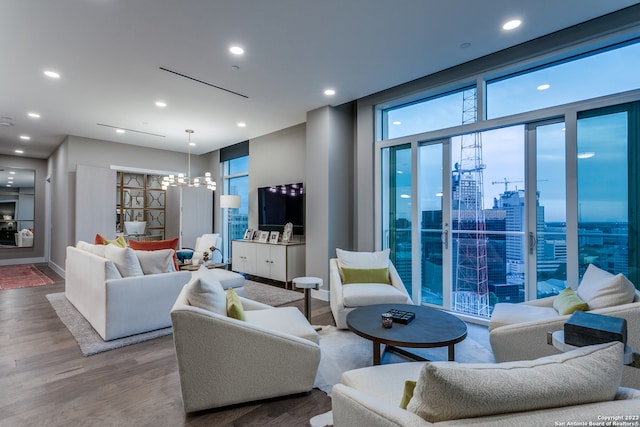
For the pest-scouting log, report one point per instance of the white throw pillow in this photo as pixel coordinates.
(348, 259)
(600, 289)
(156, 262)
(206, 292)
(125, 260)
(450, 391)
(88, 247)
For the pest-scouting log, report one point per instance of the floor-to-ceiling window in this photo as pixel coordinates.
(517, 206)
(235, 171)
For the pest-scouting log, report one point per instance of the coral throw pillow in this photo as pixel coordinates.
(155, 245)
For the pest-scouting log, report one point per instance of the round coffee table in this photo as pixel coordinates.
(430, 328)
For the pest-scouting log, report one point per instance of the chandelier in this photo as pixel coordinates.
(188, 181)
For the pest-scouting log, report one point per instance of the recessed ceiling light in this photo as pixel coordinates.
(34, 115)
(405, 196)
(512, 24)
(19, 151)
(544, 87)
(586, 155)
(397, 122)
(8, 185)
(242, 124)
(161, 104)
(236, 50)
(192, 144)
(119, 130)
(25, 137)
(12, 173)
(52, 74)
(329, 92)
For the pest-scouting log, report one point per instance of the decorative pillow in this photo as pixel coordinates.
(348, 259)
(118, 241)
(125, 260)
(409, 387)
(155, 245)
(88, 247)
(207, 293)
(234, 305)
(365, 275)
(588, 374)
(567, 302)
(600, 289)
(156, 262)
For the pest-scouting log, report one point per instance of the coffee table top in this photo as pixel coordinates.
(430, 328)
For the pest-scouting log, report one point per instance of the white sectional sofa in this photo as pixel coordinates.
(114, 304)
(543, 392)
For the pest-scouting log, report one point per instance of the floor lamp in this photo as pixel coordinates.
(229, 202)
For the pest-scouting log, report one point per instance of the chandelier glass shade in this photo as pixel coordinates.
(182, 180)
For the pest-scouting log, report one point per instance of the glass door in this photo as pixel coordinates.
(396, 212)
(434, 223)
(547, 237)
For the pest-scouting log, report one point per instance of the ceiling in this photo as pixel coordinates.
(110, 55)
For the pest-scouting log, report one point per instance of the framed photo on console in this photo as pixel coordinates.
(273, 237)
(248, 234)
(264, 237)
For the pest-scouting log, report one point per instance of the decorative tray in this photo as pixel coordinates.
(402, 316)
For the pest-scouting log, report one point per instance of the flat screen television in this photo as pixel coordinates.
(280, 204)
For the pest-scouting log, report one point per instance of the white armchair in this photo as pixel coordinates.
(204, 244)
(519, 331)
(347, 297)
(224, 361)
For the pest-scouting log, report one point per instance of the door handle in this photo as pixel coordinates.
(445, 238)
(532, 242)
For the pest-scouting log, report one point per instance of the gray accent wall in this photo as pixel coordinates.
(329, 205)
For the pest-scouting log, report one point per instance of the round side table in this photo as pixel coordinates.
(307, 283)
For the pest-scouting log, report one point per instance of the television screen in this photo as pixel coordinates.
(280, 204)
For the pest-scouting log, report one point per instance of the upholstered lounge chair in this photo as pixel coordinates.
(224, 361)
(347, 297)
(519, 331)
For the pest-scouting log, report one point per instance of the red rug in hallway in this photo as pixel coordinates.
(22, 276)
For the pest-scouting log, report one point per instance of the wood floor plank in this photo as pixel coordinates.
(46, 381)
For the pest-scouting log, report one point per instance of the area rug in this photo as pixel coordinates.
(22, 276)
(268, 294)
(87, 338)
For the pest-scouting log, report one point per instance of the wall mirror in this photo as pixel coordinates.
(17, 207)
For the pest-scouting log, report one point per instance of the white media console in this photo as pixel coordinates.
(276, 261)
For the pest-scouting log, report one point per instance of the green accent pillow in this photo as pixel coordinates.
(568, 301)
(409, 386)
(365, 275)
(118, 241)
(234, 305)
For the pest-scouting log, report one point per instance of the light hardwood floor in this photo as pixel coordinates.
(46, 381)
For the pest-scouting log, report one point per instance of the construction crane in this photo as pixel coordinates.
(506, 183)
